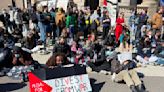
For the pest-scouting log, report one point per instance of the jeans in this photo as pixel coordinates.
(133, 31)
(72, 31)
(36, 27)
(57, 32)
(42, 32)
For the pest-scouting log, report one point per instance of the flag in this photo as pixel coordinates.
(105, 3)
(37, 85)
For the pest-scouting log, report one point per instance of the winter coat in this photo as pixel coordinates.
(18, 18)
(157, 21)
(58, 48)
(60, 18)
(70, 20)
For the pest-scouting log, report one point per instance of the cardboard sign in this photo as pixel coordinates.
(61, 79)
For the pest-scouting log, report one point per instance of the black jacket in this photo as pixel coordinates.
(58, 48)
(5, 57)
(116, 67)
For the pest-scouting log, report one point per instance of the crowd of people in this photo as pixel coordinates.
(83, 37)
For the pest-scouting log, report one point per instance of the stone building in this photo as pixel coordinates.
(18, 3)
(127, 6)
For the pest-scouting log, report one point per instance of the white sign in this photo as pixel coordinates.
(51, 4)
(112, 9)
(62, 4)
(75, 83)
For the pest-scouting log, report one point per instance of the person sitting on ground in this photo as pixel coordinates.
(22, 63)
(124, 72)
(79, 57)
(17, 35)
(61, 47)
(8, 40)
(23, 58)
(144, 54)
(56, 60)
(101, 59)
(80, 39)
(29, 42)
(125, 44)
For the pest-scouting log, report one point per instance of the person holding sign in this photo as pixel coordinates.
(55, 60)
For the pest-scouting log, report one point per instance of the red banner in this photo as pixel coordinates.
(37, 85)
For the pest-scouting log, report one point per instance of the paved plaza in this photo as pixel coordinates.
(153, 79)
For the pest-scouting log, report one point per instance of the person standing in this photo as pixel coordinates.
(6, 18)
(60, 21)
(157, 20)
(70, 23)
(119, 26)
(106, 24)
(26, 19)
(41, 25)
(133, 23)
(53, 25)
(94, 21)
(47, 26)
(81, 21)
(18, 19)
(12, 23)
(34, 19)
(141, 22)
(87, 23)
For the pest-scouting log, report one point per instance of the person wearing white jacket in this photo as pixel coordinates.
(11, 25)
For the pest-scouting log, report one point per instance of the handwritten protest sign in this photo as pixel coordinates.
(79, 83)
(70, 79)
